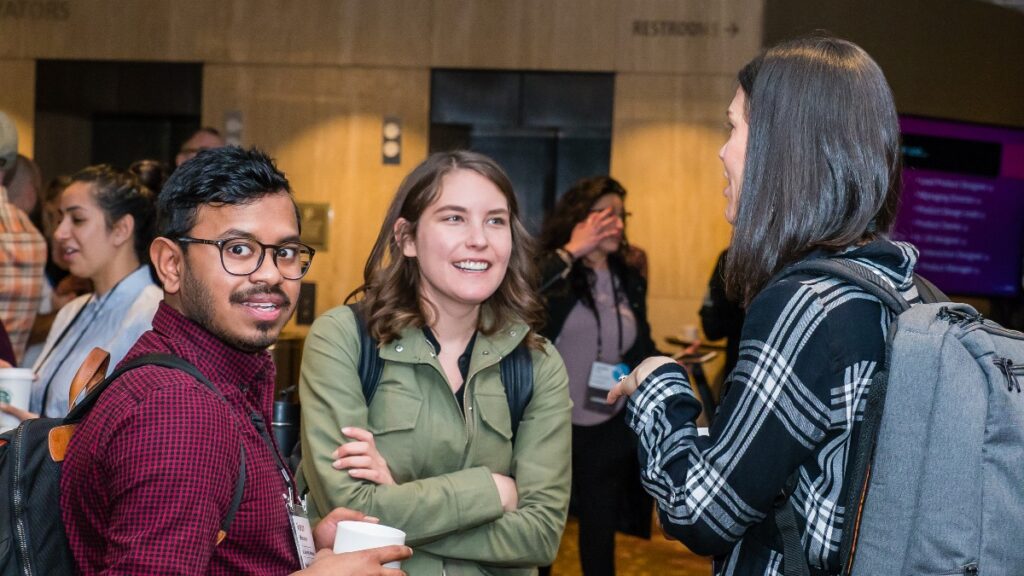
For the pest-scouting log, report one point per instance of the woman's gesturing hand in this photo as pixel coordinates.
(361, 458)
(630, 383)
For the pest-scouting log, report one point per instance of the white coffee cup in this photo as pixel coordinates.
(354, 536)
(16, 390)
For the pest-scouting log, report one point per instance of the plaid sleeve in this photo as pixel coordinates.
(710, 490)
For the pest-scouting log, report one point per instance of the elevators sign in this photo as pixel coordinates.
(316, 224)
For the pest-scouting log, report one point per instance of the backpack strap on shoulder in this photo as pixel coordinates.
(370, 368)
(370, 364)
(176, 363)
(794, 561)
(517, 378)
(930, 293)
(853, 273)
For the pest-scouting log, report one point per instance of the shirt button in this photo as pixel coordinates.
(512, 333)
(485, 353)
(399, 348)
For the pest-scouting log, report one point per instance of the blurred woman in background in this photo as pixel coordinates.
(597, 317)
(107, 221)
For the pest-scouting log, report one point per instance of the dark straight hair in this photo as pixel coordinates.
(822, 165)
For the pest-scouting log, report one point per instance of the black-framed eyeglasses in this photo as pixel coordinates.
(242, 256)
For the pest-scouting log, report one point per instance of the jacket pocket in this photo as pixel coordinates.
(494, 414)
(393, 411)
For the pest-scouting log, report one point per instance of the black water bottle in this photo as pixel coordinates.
(285, 423)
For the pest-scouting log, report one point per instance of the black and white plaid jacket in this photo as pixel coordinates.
(810, 345)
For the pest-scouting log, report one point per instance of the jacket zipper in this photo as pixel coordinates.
(971, 321)
(465, 397)
(18, 498)
(1010, 371)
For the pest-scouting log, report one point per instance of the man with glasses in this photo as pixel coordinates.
(206, 138)
(151, 473)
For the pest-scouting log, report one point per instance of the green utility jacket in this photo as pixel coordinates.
(441, 457)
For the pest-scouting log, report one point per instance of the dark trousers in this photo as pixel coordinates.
(602, 456)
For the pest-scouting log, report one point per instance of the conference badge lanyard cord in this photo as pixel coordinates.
(298, 517)
(604, 376)
(101, 303)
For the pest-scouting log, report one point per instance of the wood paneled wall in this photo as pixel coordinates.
(313, 79)
(667, 133)
(18, 99)
(706, 36)
(323, 125)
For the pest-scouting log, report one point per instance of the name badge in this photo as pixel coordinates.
(302, 533)
(603, 377)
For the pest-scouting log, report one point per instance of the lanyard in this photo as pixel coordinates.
(81, 334)
(618, 317)
(261, 428)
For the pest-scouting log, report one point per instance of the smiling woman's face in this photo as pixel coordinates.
(462, 244)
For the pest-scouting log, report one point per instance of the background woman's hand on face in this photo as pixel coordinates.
(586, 235)
(361, 458)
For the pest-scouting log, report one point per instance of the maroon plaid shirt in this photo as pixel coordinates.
(150, 473)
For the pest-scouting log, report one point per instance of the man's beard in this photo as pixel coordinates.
(198, 305)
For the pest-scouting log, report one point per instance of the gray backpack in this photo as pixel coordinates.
(937, 476)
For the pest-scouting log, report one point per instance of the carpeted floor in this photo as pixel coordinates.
(634, 556)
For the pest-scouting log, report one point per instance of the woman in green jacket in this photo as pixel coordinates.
(448, 293)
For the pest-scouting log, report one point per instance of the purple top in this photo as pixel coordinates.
(578, 345)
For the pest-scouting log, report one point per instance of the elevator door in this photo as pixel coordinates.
(546, 129)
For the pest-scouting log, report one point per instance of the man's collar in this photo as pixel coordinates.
(218, 360)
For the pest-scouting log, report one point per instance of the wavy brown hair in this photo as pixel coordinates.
(391, 281)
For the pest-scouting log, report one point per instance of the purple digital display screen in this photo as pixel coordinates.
(963, 204)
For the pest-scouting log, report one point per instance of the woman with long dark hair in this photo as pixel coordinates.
(813, 170)
(597, 318)
(448, 293)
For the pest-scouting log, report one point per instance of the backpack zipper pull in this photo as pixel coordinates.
(957, 317)
(1006, 367)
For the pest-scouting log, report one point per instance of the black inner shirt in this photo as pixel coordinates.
(467, 354)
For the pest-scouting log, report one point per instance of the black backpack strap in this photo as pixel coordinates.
(859, 467)
(370, 364)
(855, 274)
(370, 368)
(516, 370)
(174, 362)
(517, 378)
(794, 561)
(930, 293)
(858, 472)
